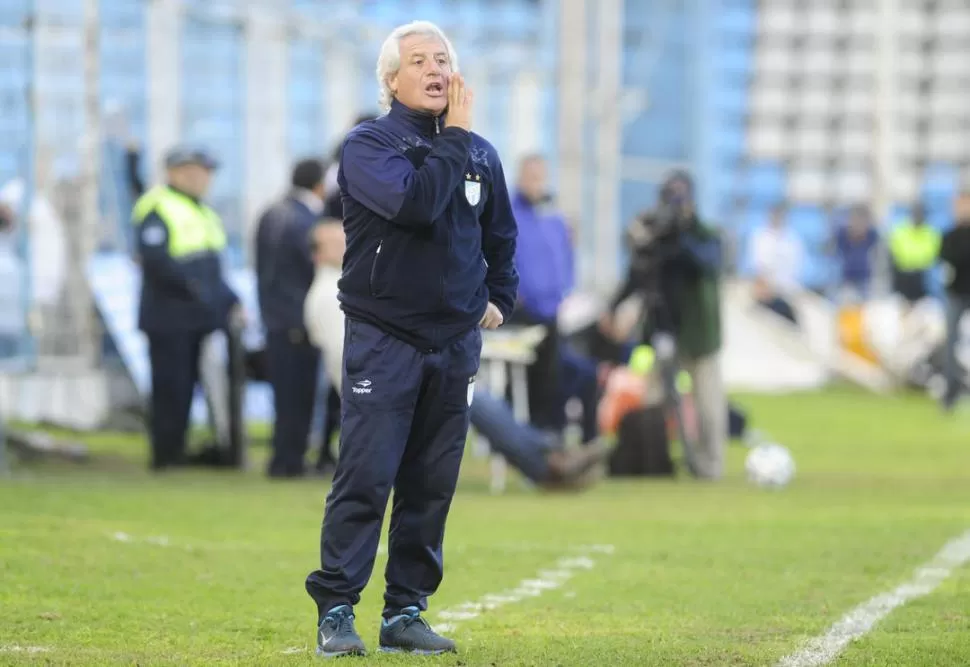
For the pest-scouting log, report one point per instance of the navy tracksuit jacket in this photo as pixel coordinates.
(284, 273)
(430, 241)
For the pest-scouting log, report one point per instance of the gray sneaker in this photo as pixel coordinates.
(409, 633)
(337, 636)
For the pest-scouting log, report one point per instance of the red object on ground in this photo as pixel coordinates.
(625, 392)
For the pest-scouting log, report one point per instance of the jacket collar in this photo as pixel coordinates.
(174, 189)
(539, 207)
(309, 199)
(420, 121)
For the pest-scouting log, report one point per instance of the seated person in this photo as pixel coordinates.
(777, 254)
(539, 457)
(768, 298)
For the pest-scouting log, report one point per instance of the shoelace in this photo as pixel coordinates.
(415, 617)
(344, 622)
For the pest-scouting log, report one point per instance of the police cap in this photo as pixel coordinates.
(181, 155)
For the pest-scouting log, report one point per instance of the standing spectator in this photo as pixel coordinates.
(544, 260)
(955, 255)
(855, 243)
(777, 254)
(47, 260)
(913, 247)
(284, 273)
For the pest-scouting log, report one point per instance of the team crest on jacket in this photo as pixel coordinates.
(473, 189)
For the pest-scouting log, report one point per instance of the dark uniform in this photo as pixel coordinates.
(183, 299)
(284, 273)
(430, 241)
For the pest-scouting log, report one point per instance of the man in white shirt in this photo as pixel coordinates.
(322, 316)
(47, 261)
(777, 254)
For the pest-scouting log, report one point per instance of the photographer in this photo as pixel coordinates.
(674, 269)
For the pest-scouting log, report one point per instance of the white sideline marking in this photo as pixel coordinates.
(545, 580)
(825, 648)
(14, 648)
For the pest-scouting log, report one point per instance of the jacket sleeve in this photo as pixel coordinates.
(624, 292)
(946, 248)
(302, 240)
(156, 262)
(499, 234)
(228, 298)
(133, 173)
(703, 252)
(382, 178)
(570, 254)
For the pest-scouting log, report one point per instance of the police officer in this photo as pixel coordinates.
(284, 273)
(184, 297)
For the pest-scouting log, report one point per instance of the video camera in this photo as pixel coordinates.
(656, 229)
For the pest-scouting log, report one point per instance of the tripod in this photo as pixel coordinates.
(665, 350)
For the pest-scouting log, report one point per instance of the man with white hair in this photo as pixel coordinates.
(429, 260)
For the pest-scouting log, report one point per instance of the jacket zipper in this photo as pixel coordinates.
(373, 268)
(441, 278)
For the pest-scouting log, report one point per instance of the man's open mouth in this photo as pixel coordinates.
(434, 88)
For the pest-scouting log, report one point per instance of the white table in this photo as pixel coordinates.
(506, 354)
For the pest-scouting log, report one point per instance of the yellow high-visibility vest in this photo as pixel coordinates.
(914, 248)
(192, 228)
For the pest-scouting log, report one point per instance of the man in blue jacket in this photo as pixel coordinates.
(284, 273)
(429, 261)
(544, 260)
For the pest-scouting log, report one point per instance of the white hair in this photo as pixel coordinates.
(389, 60)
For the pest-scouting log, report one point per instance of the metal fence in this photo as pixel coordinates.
(260, 84)
(49, 172)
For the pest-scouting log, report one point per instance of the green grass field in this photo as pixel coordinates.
(103, 564)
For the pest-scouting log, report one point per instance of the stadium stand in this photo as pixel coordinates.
(766, 100)
(815, 111)
(215, 88)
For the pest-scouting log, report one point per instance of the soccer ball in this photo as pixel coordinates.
(769, 465)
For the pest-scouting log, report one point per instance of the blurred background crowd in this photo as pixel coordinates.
(828, 142)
